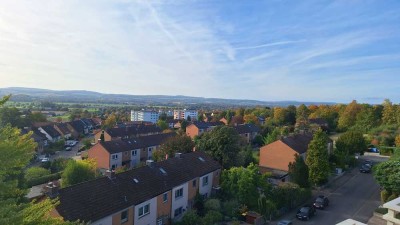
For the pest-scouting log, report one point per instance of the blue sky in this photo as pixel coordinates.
(264, 50)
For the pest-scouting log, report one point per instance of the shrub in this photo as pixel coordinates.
(44, 179)
(213, 204)
(35, 173)
(211, 218)
(385, 195)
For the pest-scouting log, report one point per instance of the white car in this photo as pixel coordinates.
(45, 160)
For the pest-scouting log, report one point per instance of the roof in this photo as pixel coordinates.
(51, 131)
(78, 125)
(319, 121)
(298, 142)
(96, 199)
(63, 128)
(246, 128)
(116, 146)
(133, 130)
(205, 125)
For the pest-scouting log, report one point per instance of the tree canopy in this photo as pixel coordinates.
(178, 143)
(318, 159)
(298, 171)
(77, 172)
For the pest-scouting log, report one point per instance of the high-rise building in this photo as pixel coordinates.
(144, 115)
(184, 114)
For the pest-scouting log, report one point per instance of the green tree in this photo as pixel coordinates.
(12, 116)
(366, 119)
(302, 113)
(387, 175)
(245, 156)
(290, 117)
(162, 124)
(351, 142)
(172, 145)
(273, 136)
(78, 172)
(37, 117)
(212, 217)
(222, 143)
(298, 171)
(280, 115)
(266, 207)
(250, 118)
(110, 121)
(318, 159)
(397, 141)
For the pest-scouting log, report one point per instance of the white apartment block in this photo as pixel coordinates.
(144, 115)
(184, 114)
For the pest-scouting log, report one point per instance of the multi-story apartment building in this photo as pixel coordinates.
(184, 114)
(144, 115)
(157, 194)
(127, 152)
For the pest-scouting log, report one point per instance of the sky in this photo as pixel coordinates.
(270, 50)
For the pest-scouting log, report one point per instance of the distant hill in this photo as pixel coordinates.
(80, 96)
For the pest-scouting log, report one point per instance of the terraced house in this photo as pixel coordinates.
(126, 152)
(118, 133)
(155, 194)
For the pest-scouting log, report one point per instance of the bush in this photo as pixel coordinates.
(231, 208)
(213, 204)
(44, 179)
(386, 151)
(211, 218)
(385, 195)
(59, 165)
(35, 173)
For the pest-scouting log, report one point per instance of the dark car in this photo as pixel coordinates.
(321, 202)
(365, 168)
(305, 212)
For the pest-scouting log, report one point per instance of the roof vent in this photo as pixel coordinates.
(135, 180)
(178, 155)
(163, 171)
(201, 159)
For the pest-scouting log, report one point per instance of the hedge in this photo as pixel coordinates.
(44, 179)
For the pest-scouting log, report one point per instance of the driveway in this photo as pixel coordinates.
(355, 195)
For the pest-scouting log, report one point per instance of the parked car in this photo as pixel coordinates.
(306, 212)
(368, 162)
(321, 202)
(285, 222)
(365, 168)
(68, 148)
(46, 159)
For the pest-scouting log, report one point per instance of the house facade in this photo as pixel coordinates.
(133, 131)
(50, 133)
(169, 185)
(129, 152)
(185, 113)
(247, 131)
(197, 128)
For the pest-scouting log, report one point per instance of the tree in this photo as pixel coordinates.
(172, 145)
(35, 172)
(290, 117)
(12, 116)
(318, 159)
(245, 156)
(236, 120)
(273, 136)
(397, 140)
(366, 119)
(302, 113)
(250, 118)
(77, 172)
(222, 143)
(37, 117)
(280, 115)
(351, 142)
(388, 113)
(110, 121)
(387, 175)
(266, 207)
(348, 118)
(162, 124)
(298, 171)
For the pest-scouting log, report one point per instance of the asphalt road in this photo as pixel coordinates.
(355, 195)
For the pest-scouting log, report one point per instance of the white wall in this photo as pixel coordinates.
(117, 161)
(180, 202)
(150, 218)
(206, 189)
(104, 221)
(135, 160)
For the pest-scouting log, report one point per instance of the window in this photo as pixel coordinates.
(124, 216)
(115, 156)
(194, 183)
(150, 149)
(144, 210)
(134, 152)
(179, 193)
(165, 197)
(113, 166)
(205, 181)
(178, 211)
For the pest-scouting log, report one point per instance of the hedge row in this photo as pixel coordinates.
(44, 179)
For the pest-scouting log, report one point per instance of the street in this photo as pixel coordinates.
(355, 195)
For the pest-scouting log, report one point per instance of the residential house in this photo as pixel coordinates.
(78, 128)
(38, 137)
(62, 128)
(319, 122)
(51, 134)
(275, 157)
(128, 132)
(224, 121)
(199, 127)
(126, 152)
(173, 123)
(158, 193)
(247, 131)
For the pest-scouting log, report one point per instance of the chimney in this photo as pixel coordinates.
(150, 163)
(166, 156)
(51, 190)
(178, 155)
(110, 174)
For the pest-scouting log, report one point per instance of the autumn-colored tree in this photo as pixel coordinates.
(389, 113)
(236, 120)
(348, 118)
(250, 118)
(397, 141)
(110, 121)
(279, 115)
